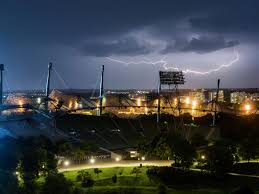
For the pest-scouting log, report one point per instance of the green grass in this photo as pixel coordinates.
(129, 183)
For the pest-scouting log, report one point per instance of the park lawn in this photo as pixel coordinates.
(140, 184)
(128, 181)
(125, 177)
(148, 190)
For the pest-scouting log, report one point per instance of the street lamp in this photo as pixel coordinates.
(92, 160)
(66, 163)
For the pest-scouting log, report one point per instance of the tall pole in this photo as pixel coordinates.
(158, 102)
(101, 94)
(1, 83)
(215, 104)
(47, 89)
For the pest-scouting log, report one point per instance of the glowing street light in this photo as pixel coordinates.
(203, 157)
(92, 160)
(143, 158)
(117, 159)
(66, 163)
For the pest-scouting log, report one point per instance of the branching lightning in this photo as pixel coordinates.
(165, 65)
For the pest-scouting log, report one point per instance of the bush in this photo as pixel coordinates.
(243, 190)
(87, 182)
(162, 189)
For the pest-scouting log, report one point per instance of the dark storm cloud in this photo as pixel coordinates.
(101, 28)
(123, 46)
(206, 44)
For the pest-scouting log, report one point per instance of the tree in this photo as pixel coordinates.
(163, 149)
(85, 178)
(82, 174)
(78, 155)
(31, 164)
(248, 149)
(97, 172)
(87, 182)
(114, 178)
(243, 190)
(198, 140)
(57, 184)
(220, 157)
(136, 171)
(182, 151)
(162, 189)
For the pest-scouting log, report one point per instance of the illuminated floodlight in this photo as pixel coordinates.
(92, 160)
(117, 159)
(248, 107)
(66, 163)
(143, 158)
(171, 77)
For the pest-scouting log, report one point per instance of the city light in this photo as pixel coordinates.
(194, 104)
(139, 102)
(66, 163)
(248, 107)
(92, 160)
(187, 100)
(39, 100)
(20, 103)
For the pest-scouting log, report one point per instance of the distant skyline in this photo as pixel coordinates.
(133, 39)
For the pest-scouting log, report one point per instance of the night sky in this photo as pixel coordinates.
(134, 39)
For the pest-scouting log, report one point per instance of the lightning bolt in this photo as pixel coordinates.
(164, 64)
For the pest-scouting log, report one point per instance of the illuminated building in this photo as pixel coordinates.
(213, 94)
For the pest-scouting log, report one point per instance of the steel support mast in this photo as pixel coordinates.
(99, 112)
(1, 83)
(47, 89)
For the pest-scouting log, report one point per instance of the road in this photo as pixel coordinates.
(110, 164)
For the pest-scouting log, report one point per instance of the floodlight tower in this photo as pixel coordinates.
(169, 78)
(99, 112)
(47, 89)
(1, 83)
(215, 104)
